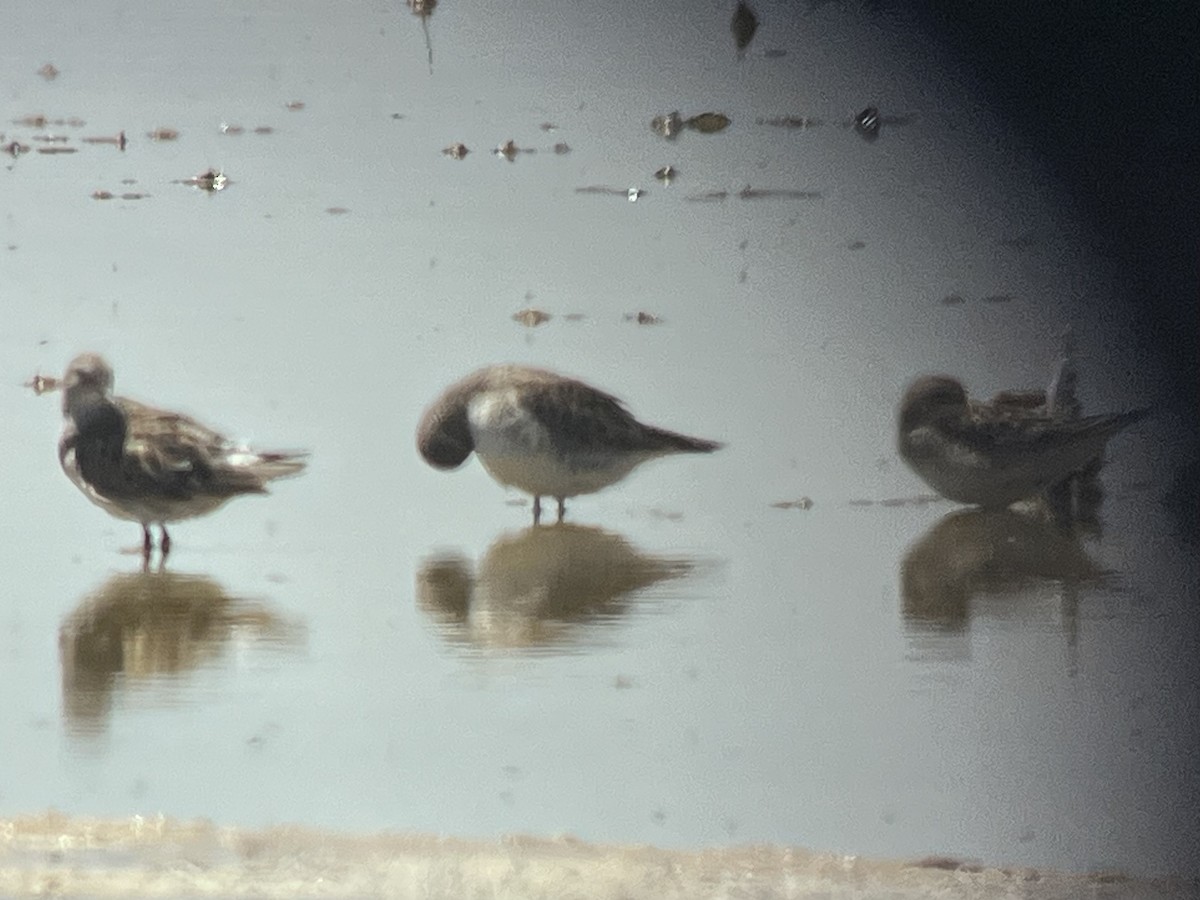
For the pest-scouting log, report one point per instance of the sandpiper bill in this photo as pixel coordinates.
(150, 465)
(543, 433)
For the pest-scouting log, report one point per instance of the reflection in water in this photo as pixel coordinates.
(539, 588)
(139, 629)
(977, 551)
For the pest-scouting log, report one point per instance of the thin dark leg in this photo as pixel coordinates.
(537, 509)
(165, 546)
(147, 542)
(562, 508)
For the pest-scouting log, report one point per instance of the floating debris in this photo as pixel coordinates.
(749, 193)
(117, 140)
(644, 318)
(531, 318)
(575, 317)
(997, 298)
(562, 148)
(668, 126)
(953, 300)
(423, 9)
(212, 181)
(790, 122)
(40, 121)
(226, 128)
(102, 195)
(109, 195)
(50, 138)
(708, 197)
(294, 106)
(866, 123)
(264, 129)
(337, 210)
(43, 384)
(856, 245)
(774, 54)
(743, 26)
(632, 194)
(49, 71)
(456, 151)
(667, 174)
(708, 122)
(163, 134)
(509, 150)
(548, 126)
(57, 150)
(15, 149)
(802, 503)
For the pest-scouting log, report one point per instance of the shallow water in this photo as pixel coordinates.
(381, 646)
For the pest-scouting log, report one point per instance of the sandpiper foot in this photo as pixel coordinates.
(165, 546)
(537, 509)
(562, 508)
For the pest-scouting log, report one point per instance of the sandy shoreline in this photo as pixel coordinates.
(61, 856)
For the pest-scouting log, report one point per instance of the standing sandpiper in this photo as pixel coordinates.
(543, 433)
(150, 465)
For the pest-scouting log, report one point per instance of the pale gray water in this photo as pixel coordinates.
(759, 679)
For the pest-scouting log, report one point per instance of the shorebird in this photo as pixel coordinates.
(151, 465)
(543, 433)
(995, 454)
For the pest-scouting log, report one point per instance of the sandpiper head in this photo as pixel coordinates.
(444, 435)
(932, 398)
(88, 377)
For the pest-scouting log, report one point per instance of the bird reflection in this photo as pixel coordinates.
(539, 589)
(142, 630)
(1000, 552)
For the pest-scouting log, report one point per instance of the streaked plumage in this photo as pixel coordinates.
(998, 453)
(151, 465)
(542, 433)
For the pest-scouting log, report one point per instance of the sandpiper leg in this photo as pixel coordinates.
(537, 509)
(562, 508)
(147, 542)
(165, 546)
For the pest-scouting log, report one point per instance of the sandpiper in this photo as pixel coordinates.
(543, 433)
(998, 453)
(151, 465)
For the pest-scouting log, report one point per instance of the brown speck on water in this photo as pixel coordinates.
(708, 122)
(575, 317)
(622, 682)
(667, 174)
(456, 151)
(264, 129)
(32, 121)
(234, 130)
(790, 122)
(337, 210)
(531, 317)
(644, 318)
(102, 195)
(709, 197)
(163, 134)
(15, 149)
(294, 106)
(49, 71)
(743, 26)
(749, 193)
(134, 196)
(953, 300)
(117, 140)
(548, 126)
(42, 384)
(856, 245)
(668, 126)
(50, 138)
(52, 151)
(562, 147)
(801, 503)
(211, 180)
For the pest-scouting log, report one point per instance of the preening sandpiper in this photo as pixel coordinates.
(998, 453)
(543, 433)
(150, 465)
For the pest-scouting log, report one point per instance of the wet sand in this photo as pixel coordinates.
(55, 855)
